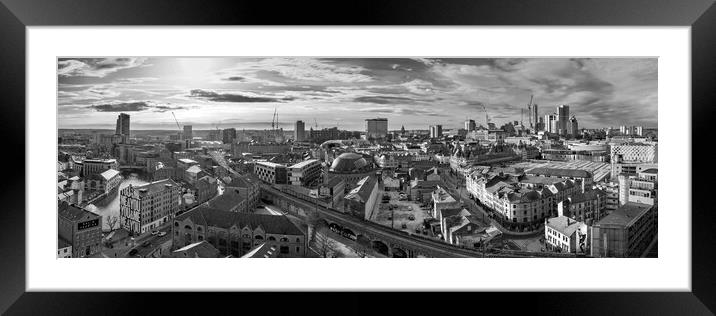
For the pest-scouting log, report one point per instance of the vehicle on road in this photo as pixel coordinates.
(146, 243)
(133, 252)
(404, 226)
(154, 232)
(411, 217)
(162, 234)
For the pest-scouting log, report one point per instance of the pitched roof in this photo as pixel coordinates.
(194, 169)
(364, 189)
(209, 216)
(553, 172)
(72, 212)
(227, 201)
(564, 225)
(200, 249)
(263, 250)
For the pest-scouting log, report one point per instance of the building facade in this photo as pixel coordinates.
(299, 131)
(564, 234)
(236, 233)
(626, 232)
(146, 207)
(80, 229)
(376, 128)
(270, 172)
(305, 172)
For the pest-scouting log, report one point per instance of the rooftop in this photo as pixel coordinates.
(262, 251)
(109, 174)
(156, 186)
(625, 215)
(225, 202)
(73, 212)
(554, 172)
(270, 164)
(201, 249)
(651, 170)
(363, 190)
(304, 163)
(563, 224)
(271, 224)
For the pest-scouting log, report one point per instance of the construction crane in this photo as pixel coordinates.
(178, 126)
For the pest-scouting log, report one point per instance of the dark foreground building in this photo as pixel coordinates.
(235, 234)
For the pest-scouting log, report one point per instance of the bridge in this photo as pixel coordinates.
(385, 240)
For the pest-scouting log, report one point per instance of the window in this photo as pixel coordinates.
(272, 238)
(187, 227)
(284, 239)
(298, 239)
(176, 224)
(284, 249)
(298, 249)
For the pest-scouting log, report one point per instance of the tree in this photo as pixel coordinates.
(112, 221)
(325, 246)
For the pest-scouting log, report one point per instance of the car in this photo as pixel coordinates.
(162, 234)
(154, 232)
(133, 252)
(404, 226)
(411, 217)
(146, 243)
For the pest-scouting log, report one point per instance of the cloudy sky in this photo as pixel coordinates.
(343, 92)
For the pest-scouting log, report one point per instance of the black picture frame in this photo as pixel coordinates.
(16, 15)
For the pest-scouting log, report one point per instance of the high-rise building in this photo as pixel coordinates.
(122, 125)
(229, 135)
(299, 131)
(436, 131)
(470, 125)
(540, 124)
(187, 132)
(376, 128)
(535, 117)
(551, 123)
(573, 128)
(563, 118)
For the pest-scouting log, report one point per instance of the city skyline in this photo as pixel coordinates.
(416, 93)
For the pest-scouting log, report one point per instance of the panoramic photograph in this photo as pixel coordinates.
(334, 157)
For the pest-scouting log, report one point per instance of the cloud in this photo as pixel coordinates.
(132, 107)
(231, 97)
(234, 78)
(95, 67)
(382, 99)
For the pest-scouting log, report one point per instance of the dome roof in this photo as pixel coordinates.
(348, 162)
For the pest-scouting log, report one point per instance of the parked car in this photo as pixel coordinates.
(154, 232)
(133, 252)
(411, 217)
(162, 234)
(404, 226)
(146, 243)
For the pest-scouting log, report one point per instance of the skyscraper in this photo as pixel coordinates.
(563, 119)
(122, 125)
(376, 128)
(470, 125)
(436, 131)
(229, 135)
(535, 117)
(550, 123)
(573, 127)
(299, 131)
(187, 132)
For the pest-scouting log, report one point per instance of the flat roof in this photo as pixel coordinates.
(304, 163)
(625, 214)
